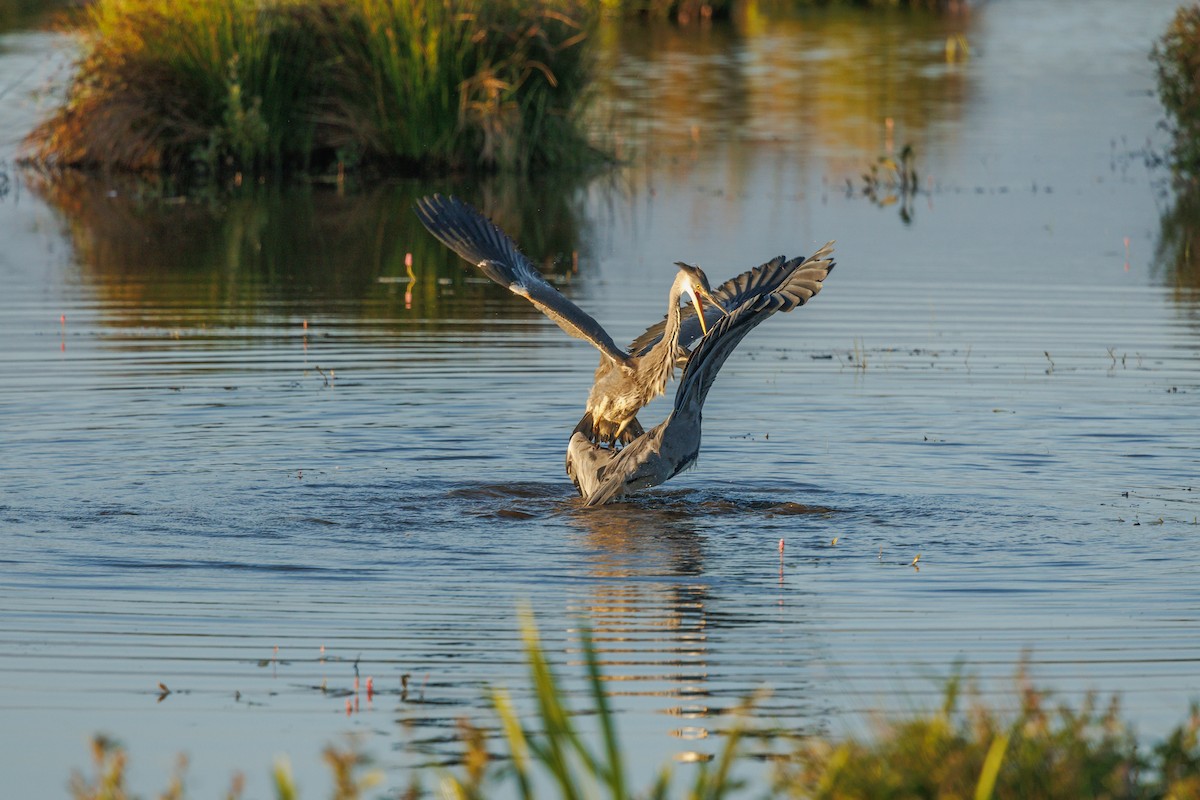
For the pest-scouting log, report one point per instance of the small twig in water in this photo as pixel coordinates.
(859, 356)
(1050, 369)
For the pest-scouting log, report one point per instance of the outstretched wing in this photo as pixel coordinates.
(731, 294)
(465, 231)
(798, 287)
(671, 446)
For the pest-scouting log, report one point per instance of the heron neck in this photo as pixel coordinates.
(662, 354)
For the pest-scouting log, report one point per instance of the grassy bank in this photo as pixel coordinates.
(964, 749)
(244, 86)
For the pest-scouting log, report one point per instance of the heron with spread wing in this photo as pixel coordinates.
(667, 449)
(625, 381)
(725, 298)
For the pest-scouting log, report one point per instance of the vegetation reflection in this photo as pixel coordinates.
(798, 81)
(1178, 249)
(1176, 56)
(833, 92)
(275, 251)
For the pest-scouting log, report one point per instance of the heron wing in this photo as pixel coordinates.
(671, 446)
(637, 466)
(467, 232)
(804, 281)
(730, 295)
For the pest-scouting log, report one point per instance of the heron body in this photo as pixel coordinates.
(619, 393)
(672, 446)
(624, 382)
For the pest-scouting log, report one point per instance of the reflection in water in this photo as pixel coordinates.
(1178, 248)
(827, 87)
(179, 509)
(648, 612)
(893, 181)
(298, 249)
(832, 83)
(653, 609)
(19, 14)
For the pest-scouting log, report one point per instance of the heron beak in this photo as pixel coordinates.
(699, 309)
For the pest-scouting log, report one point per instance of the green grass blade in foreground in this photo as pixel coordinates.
(518, 742)
(560, 736)
(614, 771)
(991, 768)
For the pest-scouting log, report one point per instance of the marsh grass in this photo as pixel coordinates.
(241, 86)
(1176, 57)
(1041, 749)
(1038, 750)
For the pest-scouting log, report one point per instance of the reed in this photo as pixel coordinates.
(463, 84)
(243, 86)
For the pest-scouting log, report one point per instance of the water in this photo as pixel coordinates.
(234, 434)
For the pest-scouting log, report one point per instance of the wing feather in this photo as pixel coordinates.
(467, 232)
(733, 293)
(804, 281)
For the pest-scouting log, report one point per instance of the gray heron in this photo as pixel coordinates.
(725, 298)
(602, 475)
(624, 382)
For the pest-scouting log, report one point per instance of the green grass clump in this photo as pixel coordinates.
(1039, 751)
(270, 86)
(1177, 59)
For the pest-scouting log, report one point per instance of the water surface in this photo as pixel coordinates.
(247, 459)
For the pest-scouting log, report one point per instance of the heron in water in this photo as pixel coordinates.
(602, 475)
(724, 299)
(624, 382)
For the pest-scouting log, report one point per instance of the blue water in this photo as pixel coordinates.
(239, 464)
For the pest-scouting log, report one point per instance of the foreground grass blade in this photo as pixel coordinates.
(615, 771)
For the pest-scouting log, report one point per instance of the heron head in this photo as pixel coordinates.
(695, 284)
